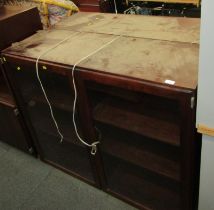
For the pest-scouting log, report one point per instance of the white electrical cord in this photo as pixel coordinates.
(94, 144)
(115, 7)
(41, 85)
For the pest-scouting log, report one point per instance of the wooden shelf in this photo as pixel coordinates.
(59, 100)
(142, 153)
(141, 187)
(5, 95)
(137, 118)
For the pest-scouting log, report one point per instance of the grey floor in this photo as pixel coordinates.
(29, 184)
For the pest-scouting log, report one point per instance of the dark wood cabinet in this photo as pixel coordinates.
(11, 124)
(16, 23)
(11, 128)
(138, 103)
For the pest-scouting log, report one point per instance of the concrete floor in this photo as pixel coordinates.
(27, 183)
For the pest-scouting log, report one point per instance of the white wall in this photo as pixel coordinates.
(205, 110)
(206, 196)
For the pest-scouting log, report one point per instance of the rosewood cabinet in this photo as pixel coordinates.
(12, 127)
(16, 23)
(135, 95)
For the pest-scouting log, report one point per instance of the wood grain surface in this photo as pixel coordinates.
(155, 60)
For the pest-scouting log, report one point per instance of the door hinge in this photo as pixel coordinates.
(16, 112)
(192, 102)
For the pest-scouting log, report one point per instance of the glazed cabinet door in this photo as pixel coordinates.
(69, 155)
(146, 142)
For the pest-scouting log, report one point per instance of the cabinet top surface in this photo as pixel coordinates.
(157, 52)
(152, 27)
(9, 11)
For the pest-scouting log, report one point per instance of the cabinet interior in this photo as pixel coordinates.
(140, 144)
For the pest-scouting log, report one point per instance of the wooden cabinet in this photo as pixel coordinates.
(138, 103)
(16, 23)
(11, 124)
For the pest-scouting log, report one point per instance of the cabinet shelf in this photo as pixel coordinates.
(42, 121)
(141, 152)
(141, 187)
(59, 100)
(139, 119)
(5, 95)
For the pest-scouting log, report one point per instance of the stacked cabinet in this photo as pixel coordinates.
(11, 124)
(138, 103)
(13, 129)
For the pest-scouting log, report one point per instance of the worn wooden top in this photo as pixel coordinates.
(152, 27)
(8, 11)
(138, 57)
